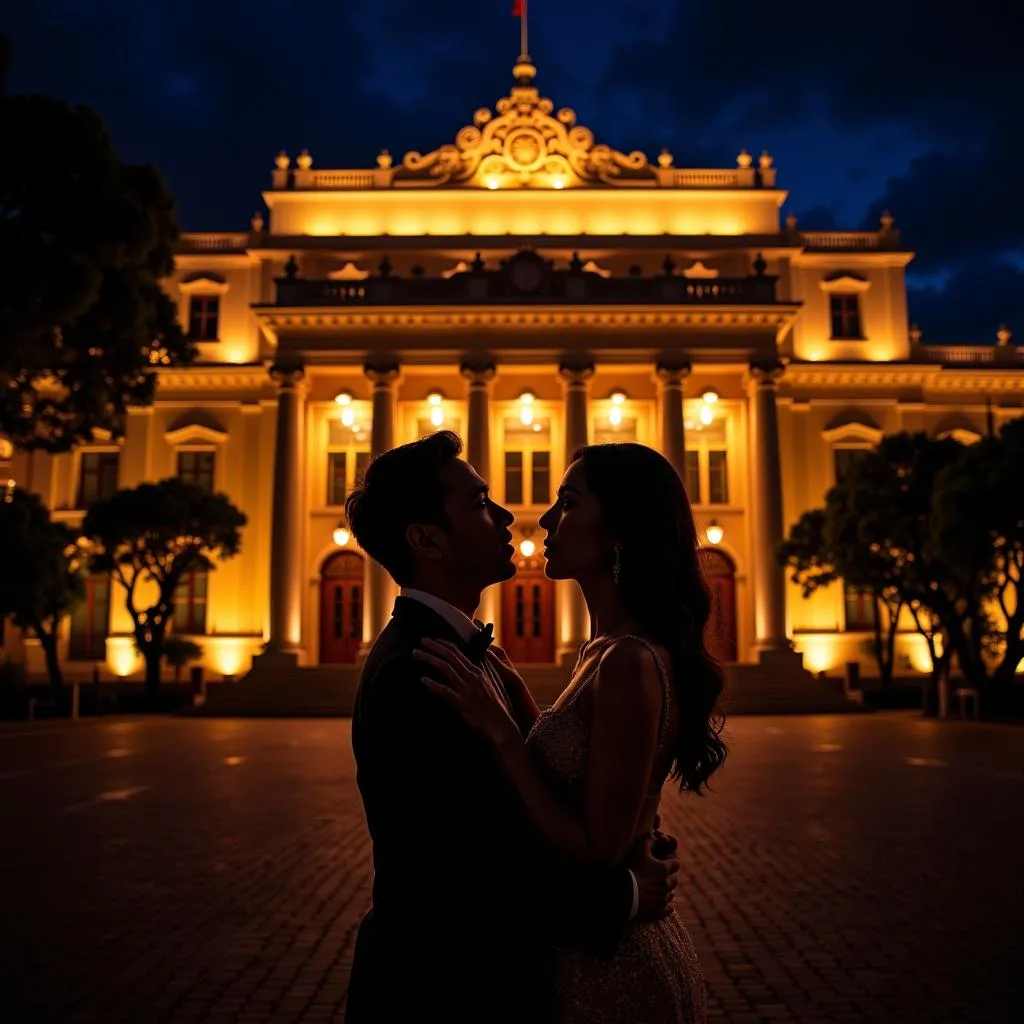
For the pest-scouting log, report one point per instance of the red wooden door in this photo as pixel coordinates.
(720, 635)
(341, 609)
(528, 615)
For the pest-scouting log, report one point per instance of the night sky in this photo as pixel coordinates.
(878, 104)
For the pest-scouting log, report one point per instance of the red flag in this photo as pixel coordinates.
(518, 8)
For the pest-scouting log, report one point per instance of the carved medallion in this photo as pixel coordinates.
(525, 145)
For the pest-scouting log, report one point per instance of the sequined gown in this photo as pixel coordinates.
(654, 976)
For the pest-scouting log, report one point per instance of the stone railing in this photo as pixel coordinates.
(958, 355)
(711, 178)
(499, 287)
(392, 177)
(213, 241)
(841, 239)
(338, 179)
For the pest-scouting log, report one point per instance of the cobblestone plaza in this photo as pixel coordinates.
(847, 868)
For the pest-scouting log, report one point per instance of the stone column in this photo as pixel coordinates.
(286, 529)
(575, 622)
(577, 385)
(478, 435)
(380, 589)
(673, 438)
(766, 513)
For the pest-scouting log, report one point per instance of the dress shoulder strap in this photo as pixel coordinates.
(666, 682)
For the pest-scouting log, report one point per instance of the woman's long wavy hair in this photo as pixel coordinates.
(645, 508)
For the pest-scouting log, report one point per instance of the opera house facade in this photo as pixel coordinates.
(532, 289)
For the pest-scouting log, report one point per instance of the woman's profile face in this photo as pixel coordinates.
(576, 544)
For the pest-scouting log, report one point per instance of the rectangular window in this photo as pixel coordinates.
(204, 317)
(845, 311)
(189, 605)
(693, 477)
(197, 468)
(540, 478)
(513, 478)
(859, 608)
(337, 475)
(90, 621)
(842, 459)
(718, 478)
(98, 479)
(362, 464)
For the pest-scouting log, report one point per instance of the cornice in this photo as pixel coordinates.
(316, 319)
(893, 375)
(213, 378)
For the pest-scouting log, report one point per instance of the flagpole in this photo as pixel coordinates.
(523, 31)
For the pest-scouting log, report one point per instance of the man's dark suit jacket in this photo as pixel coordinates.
(466, 897)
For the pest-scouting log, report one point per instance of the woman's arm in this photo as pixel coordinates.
(524, 707)
(627, 700)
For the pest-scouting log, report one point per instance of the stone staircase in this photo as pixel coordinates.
(326, 691)
(778, 685)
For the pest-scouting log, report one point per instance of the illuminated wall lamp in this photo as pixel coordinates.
(706, 414)
(615, 413)
(527, 548)
(714, 533)
(344, 399)
(341, 536)
(526, 408)
(436, 400)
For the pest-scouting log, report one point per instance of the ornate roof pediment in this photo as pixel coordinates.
(523, 145)
(196, 426)
(852, 425)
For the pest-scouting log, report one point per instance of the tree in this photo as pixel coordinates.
(979, 527)
(42, 579)
(875, 534)
(149, 538)
(818, 553)
(178, 652)
(84, 324)
(880, 521)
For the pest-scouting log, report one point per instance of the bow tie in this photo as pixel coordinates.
(478, 643)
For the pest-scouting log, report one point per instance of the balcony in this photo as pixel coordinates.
(968, 355)
(526, 279)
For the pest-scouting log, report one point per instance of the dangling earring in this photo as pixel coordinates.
(617, 565)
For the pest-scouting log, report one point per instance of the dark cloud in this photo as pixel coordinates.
(971, 304)
(818, 218)
(958, 207)
(901, 61)
(893, 104)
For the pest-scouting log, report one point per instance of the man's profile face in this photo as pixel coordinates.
(477, 543)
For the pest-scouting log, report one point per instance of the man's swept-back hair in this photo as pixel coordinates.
(401, 487)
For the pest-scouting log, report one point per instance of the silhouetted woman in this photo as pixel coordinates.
(641, 706)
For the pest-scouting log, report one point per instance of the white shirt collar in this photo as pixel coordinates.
(459, 621)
